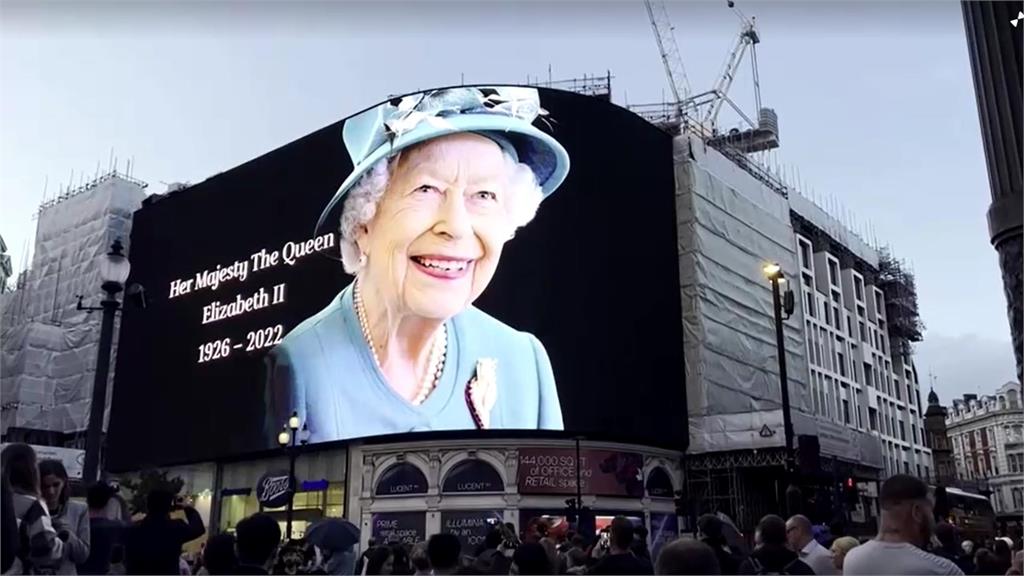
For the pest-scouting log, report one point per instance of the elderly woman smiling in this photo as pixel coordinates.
(441, 181)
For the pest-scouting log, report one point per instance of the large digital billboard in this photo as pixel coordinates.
(467, 258)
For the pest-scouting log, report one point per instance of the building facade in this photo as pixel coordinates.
(987, 435)
(859, 377)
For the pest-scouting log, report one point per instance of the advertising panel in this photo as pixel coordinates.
(467, 258)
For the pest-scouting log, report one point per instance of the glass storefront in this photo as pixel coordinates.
(308, 507)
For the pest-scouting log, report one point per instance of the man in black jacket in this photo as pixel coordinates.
(153, 546)
(771, 555)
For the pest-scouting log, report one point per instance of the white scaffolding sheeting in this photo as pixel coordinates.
(729, 226)
(49, 347)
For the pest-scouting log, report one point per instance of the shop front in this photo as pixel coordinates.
(409, 491)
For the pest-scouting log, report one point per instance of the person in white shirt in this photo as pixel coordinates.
(906, 527)
(800, 539)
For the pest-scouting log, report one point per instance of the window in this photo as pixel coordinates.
(906, 467)
(913, 428)
(927, 473)
(833, 273)
(858, 287)
(1018, 498)
(903, 431)
(867, 375)
(805, 254)
(863, 332)
(838, 324)
(846, 411)
(849, 327)
(878, 304)
(810, 303)
(842, 364)
(873, 418)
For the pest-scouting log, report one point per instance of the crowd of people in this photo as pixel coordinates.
(46, 532)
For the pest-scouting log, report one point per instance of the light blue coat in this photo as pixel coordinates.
(324, 370)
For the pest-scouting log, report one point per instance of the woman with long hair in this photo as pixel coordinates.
(44, 548)
(70, 518)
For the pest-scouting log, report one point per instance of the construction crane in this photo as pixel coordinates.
(702, 109)
(674, 69)
(747, 38)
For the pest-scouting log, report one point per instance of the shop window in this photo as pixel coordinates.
(659, 484)
(401, 479)
(472, 475)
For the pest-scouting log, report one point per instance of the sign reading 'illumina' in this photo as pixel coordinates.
(244, 303)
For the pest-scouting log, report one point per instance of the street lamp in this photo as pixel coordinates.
(114, 270)
(782, 304)
(287, 438)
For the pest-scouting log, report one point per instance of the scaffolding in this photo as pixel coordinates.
(599, 86)
(896, 282)
(744, 485)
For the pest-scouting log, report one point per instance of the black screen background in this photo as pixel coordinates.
(594, 277)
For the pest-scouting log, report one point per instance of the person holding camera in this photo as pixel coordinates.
(70, 518)
(620, 558)
(153, 546)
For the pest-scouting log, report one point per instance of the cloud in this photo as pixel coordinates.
(964, 364)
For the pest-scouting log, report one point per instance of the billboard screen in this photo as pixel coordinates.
(470, 258)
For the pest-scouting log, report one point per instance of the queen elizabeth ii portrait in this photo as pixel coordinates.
(441, 181)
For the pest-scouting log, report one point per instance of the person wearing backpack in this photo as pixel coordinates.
(771, 555)
(39, 547)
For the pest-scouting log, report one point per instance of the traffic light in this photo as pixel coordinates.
(571, 509)
(680, 502)
(850, 492)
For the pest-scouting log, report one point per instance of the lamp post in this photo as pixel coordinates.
(287, 438)
(782, 304)
(114, 269)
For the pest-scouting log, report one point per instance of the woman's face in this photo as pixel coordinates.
(389, 566)
(837, 558)
(437, 235)
(51, 487)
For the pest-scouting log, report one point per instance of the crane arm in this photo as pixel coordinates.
(673, 62)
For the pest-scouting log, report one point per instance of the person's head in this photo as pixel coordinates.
(419, 558)
(710, 528)
(622, 533)
(799, 532)
(946, 534)
(444, 550)
(578, 541)
(840, 547)
(771, 531)
(53, 484)
(493, 539)
(987, 562)
(687, 557)
(1002, 549)
(641, 533)
(219, 554)
(98, 496)
(371, 543)
(256, 539)
(536, 528)
(381, 561)
(400, 558)
(426, 227)
(531, 558)
(19, 465)
(1017, 565)
(159, 503)
(967, 546)
(907, 510)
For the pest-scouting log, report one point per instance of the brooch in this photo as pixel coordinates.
(482, 392)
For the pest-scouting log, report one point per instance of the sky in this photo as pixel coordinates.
(875, 101)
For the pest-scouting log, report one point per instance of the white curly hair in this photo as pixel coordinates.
(524, 197)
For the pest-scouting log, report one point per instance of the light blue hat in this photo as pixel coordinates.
(502, 113)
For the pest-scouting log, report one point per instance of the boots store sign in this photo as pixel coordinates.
(273, 489)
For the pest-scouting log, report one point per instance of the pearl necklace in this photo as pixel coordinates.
(435, 363)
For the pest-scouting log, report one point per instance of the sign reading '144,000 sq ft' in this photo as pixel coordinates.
(604, 472)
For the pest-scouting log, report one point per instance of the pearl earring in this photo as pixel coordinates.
(362, 259)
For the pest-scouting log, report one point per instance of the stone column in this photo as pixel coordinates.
(995, 52)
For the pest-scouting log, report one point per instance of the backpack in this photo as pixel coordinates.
(760, 568)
